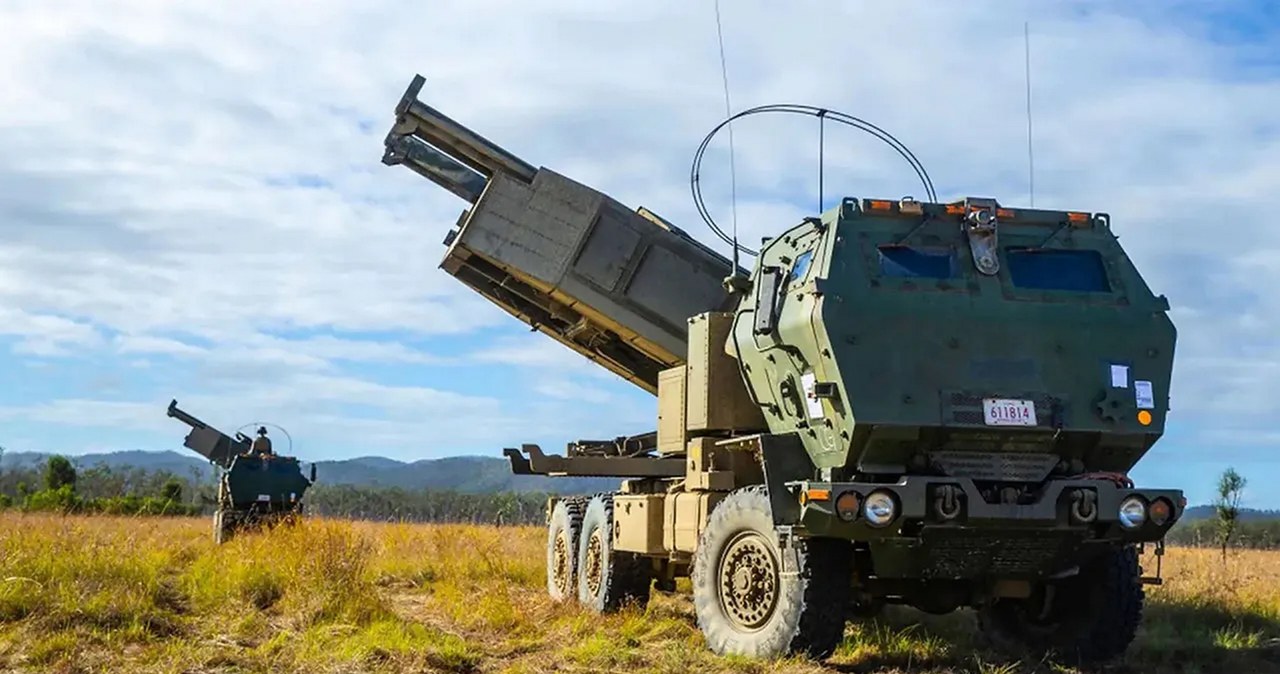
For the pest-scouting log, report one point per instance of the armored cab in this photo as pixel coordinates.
(254, 488)
(930, 404)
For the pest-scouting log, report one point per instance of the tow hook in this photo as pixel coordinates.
(1156, 579)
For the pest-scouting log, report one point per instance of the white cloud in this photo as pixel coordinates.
(191, 180)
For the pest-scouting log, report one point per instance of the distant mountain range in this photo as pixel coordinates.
(469, 474)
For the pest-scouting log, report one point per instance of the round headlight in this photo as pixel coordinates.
(847, 506)
(1133, 512)
(879, 508)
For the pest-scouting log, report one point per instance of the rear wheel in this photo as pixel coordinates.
(1091, 617)
(607, 578)
(562, 549)
(744, 603)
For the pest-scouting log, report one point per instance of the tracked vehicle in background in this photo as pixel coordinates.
(902, 402)
(254, 490)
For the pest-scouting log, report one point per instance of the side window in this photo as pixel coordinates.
(1056, 269)
(917, 262)
(801, 266)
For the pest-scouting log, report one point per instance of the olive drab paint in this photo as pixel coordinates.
(903, 357)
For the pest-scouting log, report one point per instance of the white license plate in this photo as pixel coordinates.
(1005, 412)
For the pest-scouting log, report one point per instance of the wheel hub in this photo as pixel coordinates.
(595, 563)
(748, 581)
(560, 563)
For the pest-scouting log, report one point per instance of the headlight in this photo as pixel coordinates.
(880, 508)
(1133, 512)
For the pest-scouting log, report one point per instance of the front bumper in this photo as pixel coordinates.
(965, 536)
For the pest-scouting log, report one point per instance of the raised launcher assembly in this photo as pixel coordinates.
(921, 403)
(252, 490)
(615, 285)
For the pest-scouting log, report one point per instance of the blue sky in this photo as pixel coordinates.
(192, 204)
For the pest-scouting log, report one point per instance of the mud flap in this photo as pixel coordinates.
(784, 461)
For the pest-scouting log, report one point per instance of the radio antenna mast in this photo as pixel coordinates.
(1031, 159)
(728, 112)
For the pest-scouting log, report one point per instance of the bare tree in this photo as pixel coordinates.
(1230, 489)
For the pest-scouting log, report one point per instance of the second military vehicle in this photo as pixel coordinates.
(904, 402)
(256, 486)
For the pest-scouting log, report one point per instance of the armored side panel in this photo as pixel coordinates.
(671, 409)
(718, 399)
(275, 482)
(976, 341)
(615, 285)
(684, 516)
(638, 523)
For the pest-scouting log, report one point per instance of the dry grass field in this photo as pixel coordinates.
(88, 594)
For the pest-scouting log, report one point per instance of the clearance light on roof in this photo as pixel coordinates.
(877, 205)
(1078, 218)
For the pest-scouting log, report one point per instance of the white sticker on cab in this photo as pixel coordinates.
(1144, 395)
(1119, 376)
(808, 381)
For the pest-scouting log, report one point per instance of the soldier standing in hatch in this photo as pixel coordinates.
(262, 444)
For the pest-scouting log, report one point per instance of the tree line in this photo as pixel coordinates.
(59, 486)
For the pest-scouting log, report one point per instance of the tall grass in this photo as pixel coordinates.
(156, 595)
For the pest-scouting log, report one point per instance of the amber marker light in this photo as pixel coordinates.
(815, 494)
(847, 506)
(1144, 418)
(1159, 512)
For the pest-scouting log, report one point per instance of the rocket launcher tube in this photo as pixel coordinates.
(207, 441)
(435, 166)
(417, 119)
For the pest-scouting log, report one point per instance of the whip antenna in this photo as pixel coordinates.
(728, 112)
(1031, 159)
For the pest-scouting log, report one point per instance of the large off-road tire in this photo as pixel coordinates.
(1088, 618)
(607, 578)
(562, 549)
(224, 526)
(744, 602)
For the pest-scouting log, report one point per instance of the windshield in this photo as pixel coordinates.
(917, 262)
(1055, 269)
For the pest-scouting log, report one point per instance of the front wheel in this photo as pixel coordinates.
(1091, 617)
(744, 602)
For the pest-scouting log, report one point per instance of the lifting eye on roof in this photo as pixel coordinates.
(979, 225)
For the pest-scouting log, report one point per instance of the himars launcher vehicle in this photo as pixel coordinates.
(912, 402)
(253, 489)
